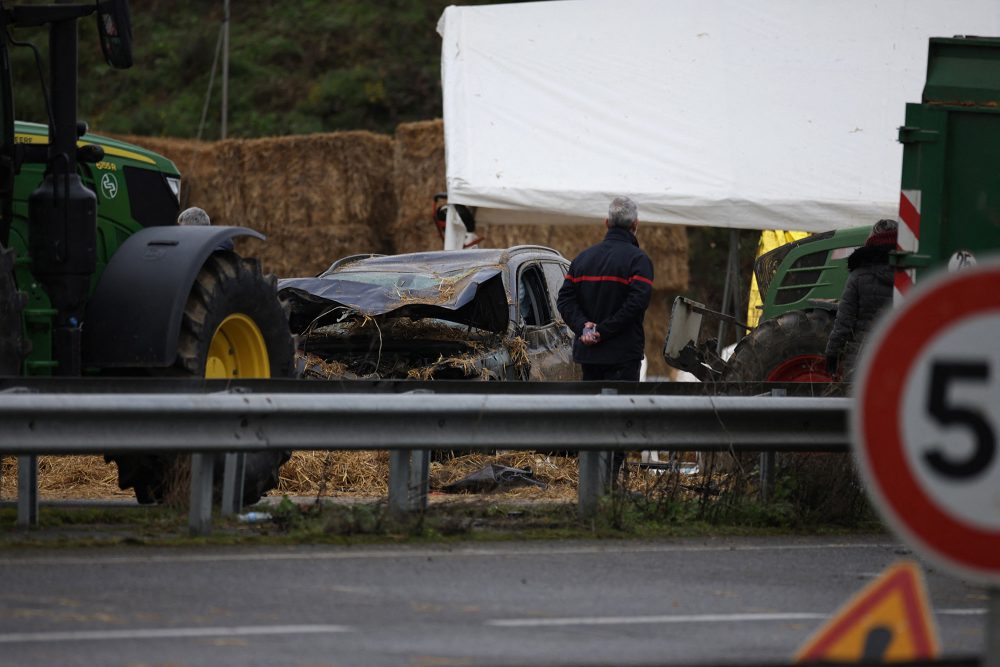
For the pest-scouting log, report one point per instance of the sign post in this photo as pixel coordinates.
(992, 658)
(926, 422)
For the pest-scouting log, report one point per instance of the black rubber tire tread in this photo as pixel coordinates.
(795, 333)
(226, 284)
(12, 345)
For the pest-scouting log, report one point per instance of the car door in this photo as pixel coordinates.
(549, 340)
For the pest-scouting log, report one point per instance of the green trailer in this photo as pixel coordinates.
(950, 200)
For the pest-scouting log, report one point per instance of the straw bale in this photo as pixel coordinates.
(418, 174)
(317, 197)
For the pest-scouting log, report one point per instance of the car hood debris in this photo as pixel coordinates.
(471, 296)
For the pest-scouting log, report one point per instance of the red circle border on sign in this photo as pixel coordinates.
(879, 404)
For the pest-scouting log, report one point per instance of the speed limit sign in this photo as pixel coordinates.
(927, 418)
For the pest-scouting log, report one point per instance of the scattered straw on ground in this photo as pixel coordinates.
(363, 473)
(59, 477)
(354, 473)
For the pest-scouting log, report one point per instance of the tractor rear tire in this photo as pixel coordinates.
(12, 345)
(787, 348)
(233, 327)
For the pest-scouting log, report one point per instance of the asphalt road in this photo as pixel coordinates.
(711, 601)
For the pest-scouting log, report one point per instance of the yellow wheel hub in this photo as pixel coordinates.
(237, 350)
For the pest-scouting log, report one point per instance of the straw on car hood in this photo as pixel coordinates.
(474, 296)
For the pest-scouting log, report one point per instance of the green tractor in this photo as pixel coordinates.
(949, 215)
(800, 284)
(96, 276)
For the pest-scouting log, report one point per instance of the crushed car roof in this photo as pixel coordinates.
(463, 286)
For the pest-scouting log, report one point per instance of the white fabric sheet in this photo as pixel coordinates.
(755, 114)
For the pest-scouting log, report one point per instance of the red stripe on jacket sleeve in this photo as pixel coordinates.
(613, 279)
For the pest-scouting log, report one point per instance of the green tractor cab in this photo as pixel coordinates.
(800, 284)
(802, 274)
(135, 189)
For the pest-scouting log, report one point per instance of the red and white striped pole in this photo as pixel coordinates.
(907, 239)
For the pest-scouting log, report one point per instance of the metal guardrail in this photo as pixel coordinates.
(410, 423)
(95, 423)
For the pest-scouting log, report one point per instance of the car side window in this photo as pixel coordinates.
(533, 303)
(555, 276)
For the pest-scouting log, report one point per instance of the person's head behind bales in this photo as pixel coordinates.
(622, 213)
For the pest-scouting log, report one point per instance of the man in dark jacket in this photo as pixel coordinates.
(867, 292)
(604, 299)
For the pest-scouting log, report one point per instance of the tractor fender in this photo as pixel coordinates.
(134, 317)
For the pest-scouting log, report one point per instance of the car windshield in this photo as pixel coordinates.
(417, 282)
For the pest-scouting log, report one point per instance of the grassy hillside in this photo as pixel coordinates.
(296, 67)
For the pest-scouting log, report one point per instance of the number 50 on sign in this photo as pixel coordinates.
(927, 419)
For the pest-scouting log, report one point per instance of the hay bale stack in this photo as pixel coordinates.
(317, 197)
(567, 239)
(418, 173)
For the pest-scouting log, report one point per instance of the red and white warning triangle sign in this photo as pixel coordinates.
(888, 621)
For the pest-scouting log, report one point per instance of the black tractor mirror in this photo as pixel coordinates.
(114, 23)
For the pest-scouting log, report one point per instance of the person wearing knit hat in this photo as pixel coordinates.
(867, 292)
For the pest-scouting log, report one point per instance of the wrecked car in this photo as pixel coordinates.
(481, 314)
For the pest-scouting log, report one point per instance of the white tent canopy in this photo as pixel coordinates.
(759, 115)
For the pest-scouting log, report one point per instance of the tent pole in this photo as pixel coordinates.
(454, 230)
(730, 286)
